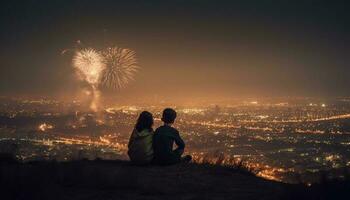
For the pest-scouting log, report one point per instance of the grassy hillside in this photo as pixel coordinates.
(121, 180)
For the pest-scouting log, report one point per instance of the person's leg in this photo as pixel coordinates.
(178, 152)
(180, 158)
(186, 159)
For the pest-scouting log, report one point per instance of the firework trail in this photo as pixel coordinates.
(120, 67)
(76, 46)
(89, 66)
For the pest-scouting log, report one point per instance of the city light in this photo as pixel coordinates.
(252, 133)
(44, 127)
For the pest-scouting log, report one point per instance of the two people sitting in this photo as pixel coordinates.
(147, 146)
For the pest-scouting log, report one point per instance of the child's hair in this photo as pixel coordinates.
(145, 121)
(169, 115)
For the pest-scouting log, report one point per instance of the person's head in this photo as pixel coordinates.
(145, 121)
(169, 116)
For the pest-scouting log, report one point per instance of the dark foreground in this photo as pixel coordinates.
(121, 180)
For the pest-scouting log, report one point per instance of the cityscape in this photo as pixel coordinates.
(284, 139)
(175, 99)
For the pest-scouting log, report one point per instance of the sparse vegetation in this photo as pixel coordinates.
(100, 179)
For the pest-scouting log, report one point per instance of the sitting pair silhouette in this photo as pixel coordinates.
(156, 147)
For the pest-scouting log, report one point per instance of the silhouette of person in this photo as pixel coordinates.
(140, 147)
(163, 140)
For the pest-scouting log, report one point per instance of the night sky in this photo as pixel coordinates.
(185, 48)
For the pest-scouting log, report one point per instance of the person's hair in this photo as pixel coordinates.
(145, 121)
(169, 115)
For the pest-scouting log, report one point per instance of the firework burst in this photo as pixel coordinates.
(89, 65)
(120, 67)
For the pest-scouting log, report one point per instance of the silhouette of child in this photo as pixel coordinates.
(140, 147)
(164, 138)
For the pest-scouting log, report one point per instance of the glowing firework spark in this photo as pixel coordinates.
(89, 64)
(76, 46)
(120, 67)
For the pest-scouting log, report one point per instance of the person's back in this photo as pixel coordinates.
(140, 147)
(163, 141)
(164, 138)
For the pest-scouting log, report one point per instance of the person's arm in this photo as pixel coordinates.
(180, 144)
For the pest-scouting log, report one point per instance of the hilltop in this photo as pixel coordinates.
(120, 180)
